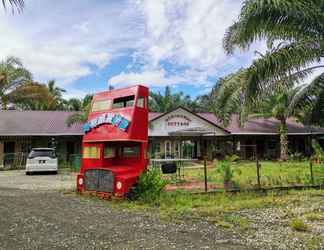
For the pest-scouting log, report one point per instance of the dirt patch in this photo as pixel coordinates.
(190, 186)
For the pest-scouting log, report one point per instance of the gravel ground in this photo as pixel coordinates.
(52, 220)
(17, 179)
(41, 212)
(36, 214)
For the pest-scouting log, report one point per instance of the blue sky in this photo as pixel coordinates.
(87, 44)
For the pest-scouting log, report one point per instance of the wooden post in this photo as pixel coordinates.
(257, 167)
(311, 171)
(205, 173)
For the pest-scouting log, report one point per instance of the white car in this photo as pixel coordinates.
(42, 160)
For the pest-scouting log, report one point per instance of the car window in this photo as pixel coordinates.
(42, 153)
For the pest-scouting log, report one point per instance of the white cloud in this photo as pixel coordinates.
(151, 78)
(66, 41)
(187, 35)
(171, 41)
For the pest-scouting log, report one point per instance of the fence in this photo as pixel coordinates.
(245, 175)
(12, 161)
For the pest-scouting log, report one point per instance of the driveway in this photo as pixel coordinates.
(36, 214)
(18, 180)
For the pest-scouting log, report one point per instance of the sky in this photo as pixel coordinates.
(87, 45)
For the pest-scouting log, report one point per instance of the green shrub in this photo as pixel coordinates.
(227, 173)
(150, 186)
(225, 170)
(298, 225)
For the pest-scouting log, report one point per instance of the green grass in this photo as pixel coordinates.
(272, 174)
(215, 207)
(299, 225)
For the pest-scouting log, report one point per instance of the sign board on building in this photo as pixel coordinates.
(177, 120)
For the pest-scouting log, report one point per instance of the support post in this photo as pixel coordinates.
(205, 173)
(1, 154)
(257, 167)
(311, 171)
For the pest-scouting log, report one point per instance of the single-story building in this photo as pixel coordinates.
(176, 134)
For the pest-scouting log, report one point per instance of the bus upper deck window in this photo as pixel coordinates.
(101, 105)
(141, 102)
(123, 102)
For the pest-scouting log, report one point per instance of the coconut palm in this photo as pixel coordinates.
(82, 116)
(16, 83)
(298, 27)
(281, 103)
(169, 101)
(228, 97)
(15, 4)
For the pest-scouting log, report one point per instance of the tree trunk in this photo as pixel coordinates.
(283, 140)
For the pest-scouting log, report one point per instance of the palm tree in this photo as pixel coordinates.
(15, 4)
(228, 97)
(16, 85)
(281, 103)
(168, 101)
(297, 25)
(82, 116)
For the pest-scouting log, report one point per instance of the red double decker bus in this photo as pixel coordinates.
(115, 141)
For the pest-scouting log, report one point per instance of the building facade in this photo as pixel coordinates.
(176, 134)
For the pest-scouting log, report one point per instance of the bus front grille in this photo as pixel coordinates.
(99, 180)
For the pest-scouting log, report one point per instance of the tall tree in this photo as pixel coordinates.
(281, 103)
(82, 116)
(169, 101)
(16, 85)
(296, 25)
(15, 4)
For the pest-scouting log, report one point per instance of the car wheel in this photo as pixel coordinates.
(27, 173)
(54, 172)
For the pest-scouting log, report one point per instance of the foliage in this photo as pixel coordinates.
(296, 156)
(226, 172)
(318, 154)
(298, 225)
(294, 31)
(150, 186)
(229, 97)
(16, 84)
(168, 101)
(15, 4)
(82, 116)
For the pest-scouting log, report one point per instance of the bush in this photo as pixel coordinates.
(150, 186)
(227, 173)
(298, 225)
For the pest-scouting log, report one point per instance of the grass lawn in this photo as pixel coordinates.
(272, 174)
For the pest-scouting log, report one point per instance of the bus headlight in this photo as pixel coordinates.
(119, 185)
(80, 181)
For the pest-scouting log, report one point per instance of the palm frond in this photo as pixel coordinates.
(15, 4)
(76, 118)
(275, 20)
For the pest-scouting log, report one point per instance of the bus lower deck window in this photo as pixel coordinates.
(110, 152)
(131, 151)
(91, 152)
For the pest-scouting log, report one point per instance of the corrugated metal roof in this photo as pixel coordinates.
(49, 123)
(53, 123)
